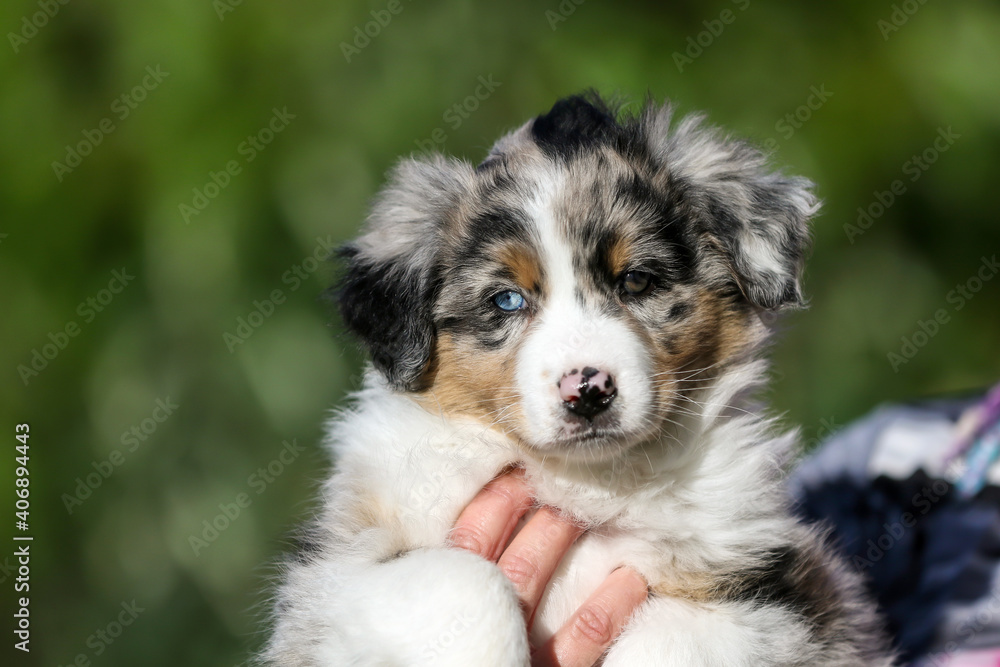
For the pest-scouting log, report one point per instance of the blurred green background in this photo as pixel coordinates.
(202, 84)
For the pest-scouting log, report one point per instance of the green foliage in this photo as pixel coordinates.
(199, 81)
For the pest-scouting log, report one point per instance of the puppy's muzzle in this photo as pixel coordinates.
(587, 392)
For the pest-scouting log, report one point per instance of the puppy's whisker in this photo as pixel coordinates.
(720, 406)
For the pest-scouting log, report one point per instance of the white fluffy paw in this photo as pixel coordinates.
(434, 607)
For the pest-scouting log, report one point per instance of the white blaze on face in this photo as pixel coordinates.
(570, 333)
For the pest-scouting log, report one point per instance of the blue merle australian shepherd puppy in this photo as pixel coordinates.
(590, 304)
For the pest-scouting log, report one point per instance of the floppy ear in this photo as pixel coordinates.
(386, 297)
(757, 218)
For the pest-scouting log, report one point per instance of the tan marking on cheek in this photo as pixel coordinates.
(524, 265)
(704, 340)
(469, 381)
(733, 333)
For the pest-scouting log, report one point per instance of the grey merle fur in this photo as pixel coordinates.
(703, 191)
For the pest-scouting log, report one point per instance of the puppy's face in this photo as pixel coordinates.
(569, 310)
(578, 285)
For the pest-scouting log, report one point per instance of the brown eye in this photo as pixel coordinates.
(636, 282)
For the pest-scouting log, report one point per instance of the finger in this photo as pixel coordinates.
(486, 524)
(585, 636)
(535, 553)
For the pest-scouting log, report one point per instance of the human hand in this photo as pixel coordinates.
(485, 528)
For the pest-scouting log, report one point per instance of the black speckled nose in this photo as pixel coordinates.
(587, 392)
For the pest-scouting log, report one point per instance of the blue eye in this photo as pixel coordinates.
(509, 301)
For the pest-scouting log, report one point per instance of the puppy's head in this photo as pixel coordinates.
(573, 287)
